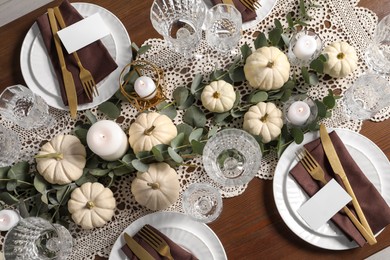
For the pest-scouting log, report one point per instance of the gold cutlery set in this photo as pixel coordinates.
(86, 77)
(317, 173)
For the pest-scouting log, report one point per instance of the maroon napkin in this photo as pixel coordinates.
(375, 208)
(94, 57)
(247, 14)
(176, 251)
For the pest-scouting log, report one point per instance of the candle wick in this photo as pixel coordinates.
(300, 110)
(103, 136)
(141, 82)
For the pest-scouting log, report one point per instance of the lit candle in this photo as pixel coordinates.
(145, 87)
(106, 139)
(8, 219)
(305, 47)
(298, 113)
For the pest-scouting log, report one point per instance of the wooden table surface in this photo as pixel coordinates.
(250, 226)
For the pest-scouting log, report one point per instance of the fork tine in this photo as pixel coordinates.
(87, 90)
(142, 233)
(247, 4)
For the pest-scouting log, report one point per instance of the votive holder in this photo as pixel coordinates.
(304, 47)
(299, 111)
(129, 75)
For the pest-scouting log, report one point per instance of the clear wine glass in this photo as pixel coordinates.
(202, 202)
(232, 157)
(9, 146)
(35, 238)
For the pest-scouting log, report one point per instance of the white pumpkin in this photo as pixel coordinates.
(267, 68)
(61, 160)
(218, 96)
(264, 120)
(158, 188)
(91, 205)
(342, 59)
(150, 129)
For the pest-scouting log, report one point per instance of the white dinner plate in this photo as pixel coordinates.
(39, 74)
(193, 236)
(261, 13)
(289, 197)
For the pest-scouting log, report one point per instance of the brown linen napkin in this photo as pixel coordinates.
(94, 57)
(247, 14)
(375, 208)
(176, 251)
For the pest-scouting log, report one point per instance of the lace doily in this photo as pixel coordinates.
(336, 20)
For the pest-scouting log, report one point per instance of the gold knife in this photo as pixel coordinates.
(137, 249)
(338, 169)
(70, 87)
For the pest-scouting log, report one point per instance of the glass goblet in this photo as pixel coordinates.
(179, 22)
(202, 202)
(21, 106)
(232, 157)
(9, 146)
(367, 96)
(35, 238)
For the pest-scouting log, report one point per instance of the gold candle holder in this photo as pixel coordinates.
(134, 70)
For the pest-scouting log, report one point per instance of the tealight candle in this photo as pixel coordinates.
(298, 113)
(8, 219)
(305, 47)
(145, 87)
(106, 139)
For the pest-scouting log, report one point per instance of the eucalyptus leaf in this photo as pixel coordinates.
(258, 96)
(63, 194)
(174, 155)
(278, 24)
(91, 117)
(157, 153)
(317, 65)
(220, 117)
(40, 184)
(11, 185)
(245, 51)
(321, 108)
(194, 117)
(185, 129)
(212, 131)
(286, 39)
(286, 95)
(290, 20)
(143, 49)
(121, 171)
(178, 140)
(81, 134)
(19, 171)
(302, 8)
(86, 177)
(189, 102)
(329, 101)
(127, 158)
(180, 95)
(99, 172)
(167, 109)
(261, 41)
(197, 147)
(196, 85)
(196, 135)
(297, 134)
(8, 198)
(236, 113)
(139, 166)
(237, 75)
(275, 36)
(22, 207)
(313, 79)
(109, 109)
(305, 74)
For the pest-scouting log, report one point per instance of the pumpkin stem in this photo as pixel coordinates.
(154, 185)
(340, 56)
(90, 205)
(264, 118)
(149, 131)
(57, 156)
(216, 94)
(270, 64)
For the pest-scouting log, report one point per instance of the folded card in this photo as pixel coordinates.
(84, 32)
(324, 204)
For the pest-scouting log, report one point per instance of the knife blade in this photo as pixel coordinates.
(338, 169)
(137, 249)
(67, 77)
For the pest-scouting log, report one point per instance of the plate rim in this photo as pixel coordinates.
(281, 177)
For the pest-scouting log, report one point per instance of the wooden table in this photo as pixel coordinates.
(250, 226)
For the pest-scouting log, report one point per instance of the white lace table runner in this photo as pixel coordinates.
(336, 20)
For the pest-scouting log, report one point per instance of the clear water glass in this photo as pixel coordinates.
(179, 22)
(35, 238)
(367, 96)
(232, 157)
(9, 146)
(223, 27)
(21, 106)
(202, 202)
(377, 54)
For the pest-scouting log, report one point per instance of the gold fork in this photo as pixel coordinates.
(155, 241)
(314, 169)
(252, 5)
(85, 75)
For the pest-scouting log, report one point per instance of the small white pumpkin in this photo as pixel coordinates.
(150, 129)
(218, 96)
(61, 160)
(265, 120)
(342, 59)
(267, 68)
(91, 205)
(158, 188)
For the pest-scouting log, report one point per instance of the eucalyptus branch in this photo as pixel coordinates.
(20, 181)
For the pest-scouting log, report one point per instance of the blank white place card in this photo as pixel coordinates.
(84, 32)
(324, 204)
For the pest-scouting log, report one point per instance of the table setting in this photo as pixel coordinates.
(143, 150)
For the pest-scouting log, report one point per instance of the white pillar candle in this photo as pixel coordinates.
(106, 139)
(305, 47)
(8, 219)
(298, 113)
(145, 87)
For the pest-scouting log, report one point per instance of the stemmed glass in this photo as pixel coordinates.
(9, 146)
(35, 238)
